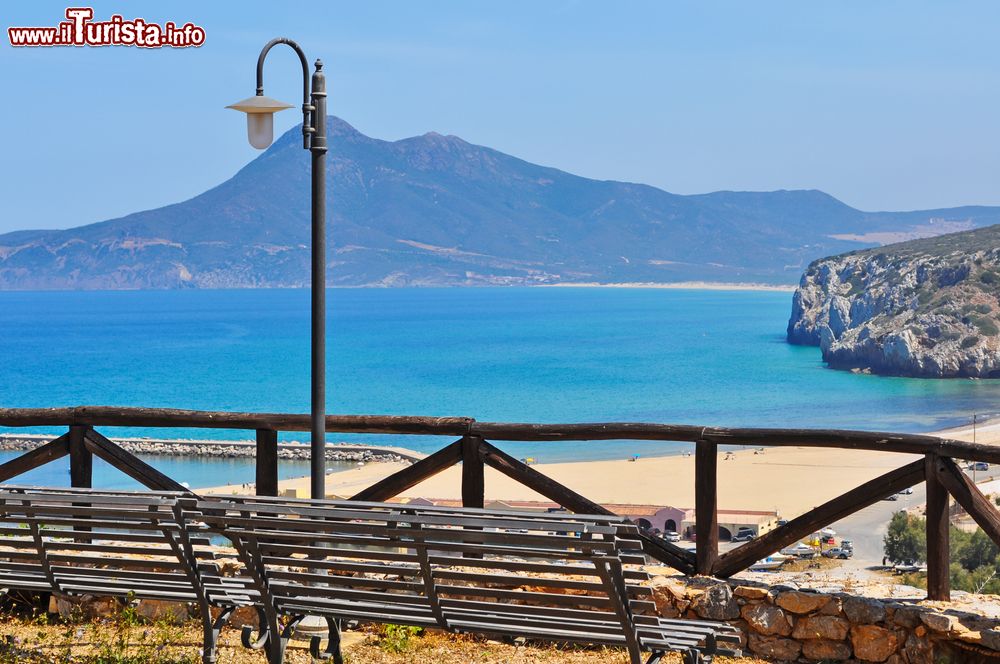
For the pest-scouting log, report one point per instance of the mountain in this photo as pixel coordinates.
(436, 210)
(922, 308)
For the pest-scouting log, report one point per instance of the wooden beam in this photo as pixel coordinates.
(461, 426)
(50, 451)
(267, 462)
(667, 552)
(706, 501)
(81, 460)
(201, 419)
(473, 477)
(402, 480)
(130, 464)
(829, 512)
(938, 559)
(968, 495)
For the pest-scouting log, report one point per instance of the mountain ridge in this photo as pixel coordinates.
(436, 210)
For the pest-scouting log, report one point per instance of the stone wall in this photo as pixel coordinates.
(784, 624)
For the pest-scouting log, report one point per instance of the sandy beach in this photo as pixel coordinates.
(790, 480)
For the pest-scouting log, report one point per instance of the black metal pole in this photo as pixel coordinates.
(318, 151)
(314, 140)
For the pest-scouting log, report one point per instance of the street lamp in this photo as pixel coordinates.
(260, 112)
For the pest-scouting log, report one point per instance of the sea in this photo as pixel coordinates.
(705, 357)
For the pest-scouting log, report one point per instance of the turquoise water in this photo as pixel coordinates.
(511, 354)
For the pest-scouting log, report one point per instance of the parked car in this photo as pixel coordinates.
(838, 552)
(847, 544)
(979, 465)
(671, 536)
(908, 491)
(744, 536)
(892, 497)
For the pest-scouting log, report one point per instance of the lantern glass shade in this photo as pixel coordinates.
(260, 112)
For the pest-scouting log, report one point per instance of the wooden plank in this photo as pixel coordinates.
(832, 511)
(130, 464)
(267, 462)
(473, 480)
(50, 451)
(177, 418)
(673, 555)
(938, 559)
(968, 495)
(81, 461)
(706, 500)
(461, 426)
(410, 476)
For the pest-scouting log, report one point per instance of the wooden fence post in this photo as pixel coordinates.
(706, 471)
(473, 480)
(81, 460)
(938, 562)
(267, 462)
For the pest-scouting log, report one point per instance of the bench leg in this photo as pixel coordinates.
(693, 656)
(212, 631)
(655, 658)
(332, 650)
(263, 632)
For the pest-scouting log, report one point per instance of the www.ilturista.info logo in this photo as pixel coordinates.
(81, 30)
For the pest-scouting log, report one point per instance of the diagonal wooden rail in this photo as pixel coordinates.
(473, 450)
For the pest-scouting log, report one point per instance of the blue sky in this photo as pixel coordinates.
(886, 105)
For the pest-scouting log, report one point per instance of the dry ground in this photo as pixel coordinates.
(111, 642)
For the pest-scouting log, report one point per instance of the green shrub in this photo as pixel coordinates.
(397, 638)
(986, 326)
(969, 342)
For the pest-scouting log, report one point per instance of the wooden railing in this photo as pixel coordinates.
(472, 448)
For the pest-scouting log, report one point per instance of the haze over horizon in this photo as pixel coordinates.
(887, 107)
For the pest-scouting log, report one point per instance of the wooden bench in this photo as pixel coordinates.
(148, 545)
(564, 578)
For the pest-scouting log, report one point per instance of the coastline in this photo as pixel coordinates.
(680, 285)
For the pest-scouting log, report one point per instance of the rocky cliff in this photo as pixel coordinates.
(924, 308)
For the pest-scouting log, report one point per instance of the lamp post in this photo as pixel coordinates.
(260, 112)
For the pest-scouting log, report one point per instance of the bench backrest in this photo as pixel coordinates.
(79, 542)
(554, 576)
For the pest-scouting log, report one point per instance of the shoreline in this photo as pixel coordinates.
(680, 285)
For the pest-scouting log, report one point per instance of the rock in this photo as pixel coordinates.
(862, 610)
(716, 603)
(766, 619)
(87, 607)
(750, 592)
(872, 643)
(774, 647)
(823, 650)
(158, 610)
(921, 308)
(821, 627)
(939, 622)
(918, 650)
(990, 638)
(905, 615)
(800, 602)
(669, 596)
(833, 607)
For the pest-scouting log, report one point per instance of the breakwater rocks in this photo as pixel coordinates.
(221, 449)
(925, 308)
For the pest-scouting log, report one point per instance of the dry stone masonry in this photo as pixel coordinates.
(785, 624)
